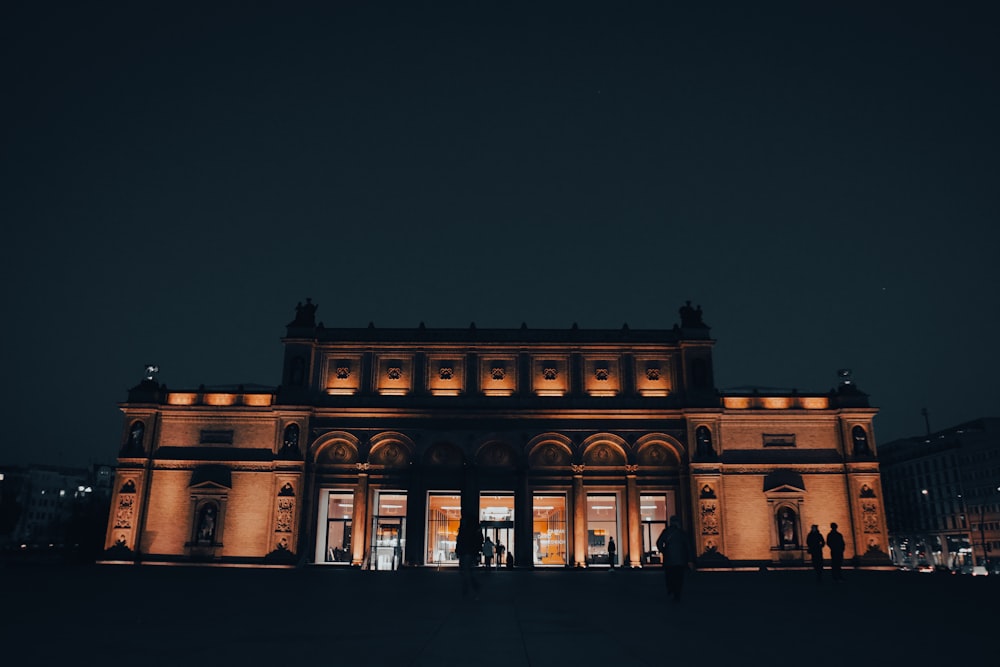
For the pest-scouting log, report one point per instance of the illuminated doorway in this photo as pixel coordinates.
(336, 519)
(602, 528)
(444, 511)
(388, 531)
(496, 519)
(653, 513)
(548, 530)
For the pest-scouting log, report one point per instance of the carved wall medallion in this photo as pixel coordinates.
(498, 373)
(653, 373)
(343, 372)
(446, 373)
(578, 468)
(549, 373)
(601, 374)
(394, 373)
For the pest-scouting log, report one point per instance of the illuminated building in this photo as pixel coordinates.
(943, 496)
(378, 440)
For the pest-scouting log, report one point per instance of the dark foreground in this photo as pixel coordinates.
(127, 615)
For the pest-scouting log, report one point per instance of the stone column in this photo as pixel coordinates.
(634, 517)
(579, 518)
(359, 522)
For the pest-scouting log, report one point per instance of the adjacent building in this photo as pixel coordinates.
(943, 496)
(557, 443)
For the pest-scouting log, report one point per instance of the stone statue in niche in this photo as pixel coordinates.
(290, 442)
(860, 437)
(707, 491)
(867, 491)
(135, 435)
(206, 525)
(787, 533)
(703, 443)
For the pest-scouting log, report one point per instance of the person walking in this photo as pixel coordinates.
(678, 555)
(835, 541)
(468, 544)
(815, 544)
(612, 552)
(488, 553)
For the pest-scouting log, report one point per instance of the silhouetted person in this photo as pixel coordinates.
(488, 553)
(500, 549)
(678, 555)
(815, 544)
(612, 552)
(835, 541)
(468, 544)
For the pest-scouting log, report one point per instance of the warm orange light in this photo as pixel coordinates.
(654, 392)
(341, 392)
(736, 402)
(186, 398)
(815, 402)
(257, 400)
(445, 392)
(776, 402)
(220, 399)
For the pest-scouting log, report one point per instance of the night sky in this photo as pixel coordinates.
(822, 179)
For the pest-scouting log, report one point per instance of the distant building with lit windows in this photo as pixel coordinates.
(555, 442)
(943, 496)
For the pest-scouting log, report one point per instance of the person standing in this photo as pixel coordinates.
(835, 541)
(815, 544)
(612, 552)
(468, 544)
(500, 549)
(488, 553)
(678, 555)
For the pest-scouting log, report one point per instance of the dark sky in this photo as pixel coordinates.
(822, 179)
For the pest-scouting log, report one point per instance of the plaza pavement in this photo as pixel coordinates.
(155, 615)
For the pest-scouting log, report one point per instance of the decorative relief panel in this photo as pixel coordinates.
(342, 376)
(656, 454)
(498, 374)
(395, 374)
(124, 511)
(550, 375)
(550, 455)
(286, 513)
(869, 517)
(601, 375)
(709, 517)
(603, 454)
(652, 375)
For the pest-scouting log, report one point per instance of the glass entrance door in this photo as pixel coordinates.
(387, 543)
(496, 520)
(602, 529)
(388, 531)
(653, 513)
